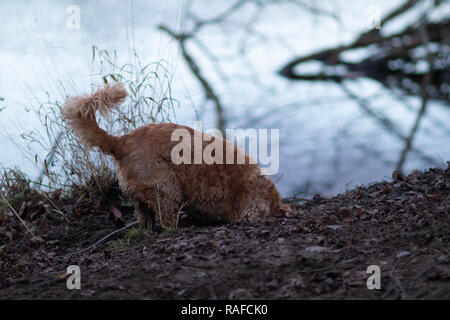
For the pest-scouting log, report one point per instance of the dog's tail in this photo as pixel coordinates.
(79, 112)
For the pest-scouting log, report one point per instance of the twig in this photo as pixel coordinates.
(219, 18)
(331, 56)
(102, 239)
(209, 91)
(400, 286)
(400, 10)
(425, 83)
(441, 259)
(17, 215)
(57, 209)
(384, 121)
(50, 156)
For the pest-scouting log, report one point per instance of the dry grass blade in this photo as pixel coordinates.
(55, 151)
(17, 215)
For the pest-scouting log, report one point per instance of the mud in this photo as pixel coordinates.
(321, 251)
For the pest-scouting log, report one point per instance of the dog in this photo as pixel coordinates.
(160, 188)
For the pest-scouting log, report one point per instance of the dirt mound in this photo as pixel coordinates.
(321, 251)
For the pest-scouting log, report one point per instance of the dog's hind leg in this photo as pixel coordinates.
(144, 214)
(166, 203)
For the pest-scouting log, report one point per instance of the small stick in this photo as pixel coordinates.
(102, 239)
(57, 210)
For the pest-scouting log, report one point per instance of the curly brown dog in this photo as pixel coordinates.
(147, 173)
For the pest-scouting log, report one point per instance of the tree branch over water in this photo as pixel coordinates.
(196, 71)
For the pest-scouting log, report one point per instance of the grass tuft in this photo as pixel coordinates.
(131, 237)
(66, 169)
(61, 160)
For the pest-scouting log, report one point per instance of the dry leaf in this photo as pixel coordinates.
(435, 197)
(403, 254)
(116, 213)
(37, 239)
(316, 249)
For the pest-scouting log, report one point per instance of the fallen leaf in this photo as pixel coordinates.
(345, 212)
(403, 254)
(51, 256)
(335, 227)
(117, 213)
(297, 282)
(435, 197)
(37, 239)
(316, 249)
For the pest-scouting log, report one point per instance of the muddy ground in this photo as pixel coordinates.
(321, 251)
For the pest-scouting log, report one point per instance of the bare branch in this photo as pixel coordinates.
(209, 91)
(425, 83)
(388, 125)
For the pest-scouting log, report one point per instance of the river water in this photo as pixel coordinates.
(327, 143)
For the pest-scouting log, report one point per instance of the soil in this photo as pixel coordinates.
(320, 251)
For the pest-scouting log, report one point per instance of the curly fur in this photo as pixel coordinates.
(227, 192)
